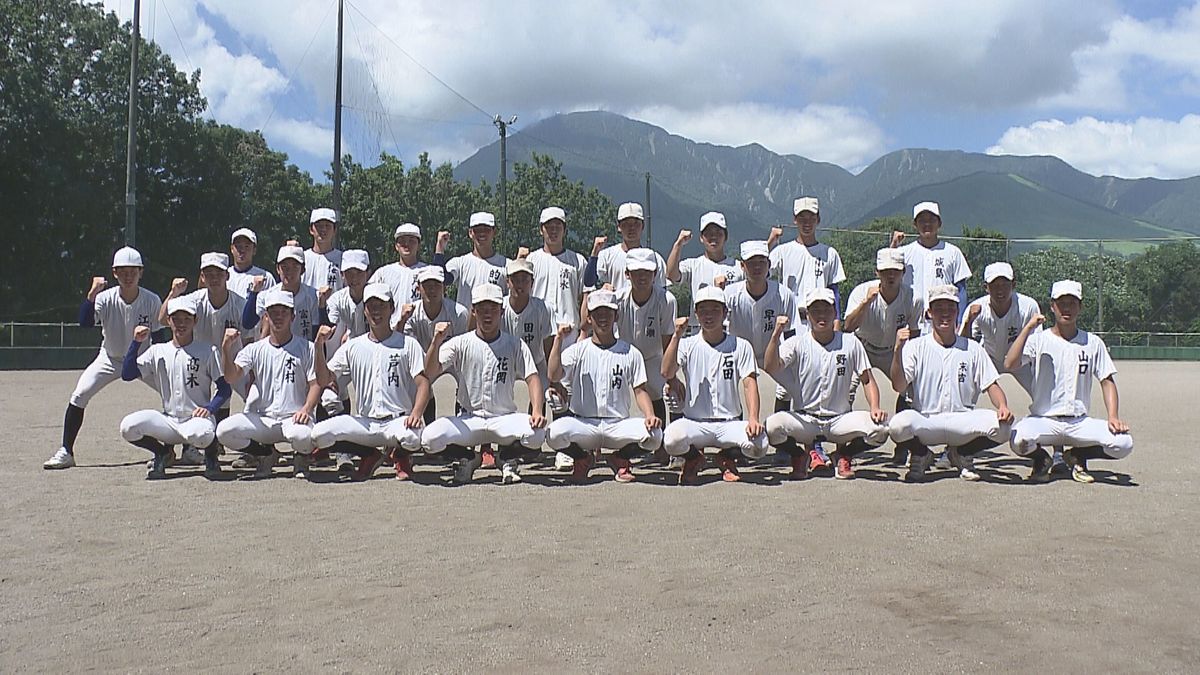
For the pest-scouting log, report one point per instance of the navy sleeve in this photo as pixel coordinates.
(325, 320)
(962, 299)
(249, 313)
(439, 259)
(224, 391)
(129, 366)
(590, 277)
(87, 313)
(837, 300)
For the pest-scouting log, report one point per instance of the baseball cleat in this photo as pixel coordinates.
(301, 464)
(367, 465)
(510, 472)
(563, 461)
(965, 465)
(1079, 470)
(845, 471)
(818, 460)
(245, 461)
(581, 469)
(212, 463)
(464, 470)
(729, 469)
(899, 457)
(158, 467)
(622, 469)
(403, 464)
(190, 457)
(266, 464)
(919, 465)
(799, 462)
(345, 465)
(690, 471)
(944, 461)
(1041, 467)
(60, 460)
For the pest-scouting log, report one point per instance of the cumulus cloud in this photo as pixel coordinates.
(1143, 147)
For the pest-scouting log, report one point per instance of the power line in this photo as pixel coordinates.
(320, 25)
(415, 119)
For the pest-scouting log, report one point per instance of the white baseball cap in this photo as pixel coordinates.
(127, 257)
(641, 259)
(997, 269)
(356, 259)
(378, 291)
(482, 218)
(181, 304)
(407, 228)
(244, 232)
(487, 293)
(818, 295)
(290, 252)
(551, 213)
(889, 259)
(518, 265)
(434, 272)
(601, 298)
(322, 214)
(280, 297)
(806, 204)
(630, 210)
(1066, 287)
(709, 294)
(943, 292)
(754, 247)
(713, 218)
(214, 260)
(931, 207)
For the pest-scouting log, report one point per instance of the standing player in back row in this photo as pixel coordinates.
(607, 265)
(526, 316)
(323, 262)
(713, 268)
(242, 272)
(557, 272)
(481, 266)
(805, 264)
(401, 276)
(119, 311)
(930, 262)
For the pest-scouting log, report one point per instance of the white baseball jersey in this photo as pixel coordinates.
(753, 320)
(824, 375)
(610, 268)
(602, 379)
(182, 376)
(323, 269)
(925, 268)
(211, 322)
(402, 280)
(699, 272)
(802, 268)
(532, 325)
(558, 281)
(383, 373)
(486, 371)
(881, 319)
(118, 319)
(1063, 371)
(281, 376)
(239, 281)
(946, 379)
(346, 314)
(997, 333)
(714, 376)
(470, 270)
(644, 326)
(420, 324)
(307, 310)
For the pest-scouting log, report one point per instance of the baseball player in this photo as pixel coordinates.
(996, 319)
(1064, 360)
(805, 264)
(289, 263)
(183, 372)
(557, 272)
(284, 391)
(607, 265)
(242, 247)
(930, 262)
(482, 265)
(823, 367)
(386, 369)
(485, 362)
(401, 276)
(605, 373)
(877, 309)
(433, 309)
(714, 363)
(714, 268)
(119, 310)
(323, 262)
(525, 316)
(947, 372)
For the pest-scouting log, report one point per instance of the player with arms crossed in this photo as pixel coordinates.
(1064, 360)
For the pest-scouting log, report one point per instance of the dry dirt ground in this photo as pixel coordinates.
(100, 569)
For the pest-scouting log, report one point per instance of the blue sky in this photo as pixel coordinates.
(1112, 87)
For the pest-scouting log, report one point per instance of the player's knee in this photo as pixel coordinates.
(130, 430)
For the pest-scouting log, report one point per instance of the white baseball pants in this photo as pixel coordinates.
(805, 428)
(197, 432)
(683, 434)
(100, 373)
(470, 430)
(951, 428)
(592, 433)
(366, 431)
(236, 432)
(1071, 432)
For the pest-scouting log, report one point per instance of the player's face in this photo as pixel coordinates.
(1066, 309)
(242, 250)
(378, 312)
(713, 237)
(889, 279)
(323, 232)
(821, 316)
(553, 232)
(487, 317)
(710, 315)
(631, 229)
(757, 268)
(641, 280)
(182, 324)
(432, 290)
(355, 278)
(928, 225)
(289, 271)
(280, 317)
(127, 277)
(602, 319)
(214, 278)
(408, 246)
(944, 314)
(807, 221)
(1000, 289)
(520, 283)
(483, 235)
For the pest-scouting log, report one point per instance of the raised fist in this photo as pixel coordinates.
(776, 233)
(406, 312)
(292, 242)
(681, 324)
(323, 294)
(973, 311)
(564, 329)
(98, 284)
(902, 335)
(598, 244)
(440, 329)
(323, 334)
(141, 333)
(781, 323)
(178, 286)
(897, 238)
(231, 336)
(443, 240)
(1036, 320)
(872, 292)
(684, 237)
(720, 280)
(257, 284)
(523, 253)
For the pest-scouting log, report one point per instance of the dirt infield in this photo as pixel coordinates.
(100, 569)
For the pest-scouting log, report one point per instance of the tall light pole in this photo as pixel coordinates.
(503, 127)
(131, 143)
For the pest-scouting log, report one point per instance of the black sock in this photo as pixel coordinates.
(575, 452)
(782, 405)
(854, 447)
(222, 415)
(630, 451)
(151, 444)
(351, 449)
(458, 452)
(902, 402)
(1090, 452)
(788, 447)
(257, 449)
(72, 421)
(430, 411)
(976, 445)
(915, 448)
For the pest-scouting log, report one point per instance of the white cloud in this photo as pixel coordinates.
(1143, 147)
(824, 133)
(307, 137)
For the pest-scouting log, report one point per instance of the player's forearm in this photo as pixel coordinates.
(771, 361)
(433, 364)
(673, 263)
(896, 374)
(670, 364)
(537, 396)
(224, 393)
(1012, 358)
(590, 276)
(750, 388)
(554, 369)
(129, 366)
(321, 366)
(996, 396)
(854, 318)
(249, 315)
(644, 404)
(871, 389)
(313, 398)
(87, 313)
(1112, 402)
(423, 395)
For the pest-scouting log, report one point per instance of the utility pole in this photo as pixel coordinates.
(503, 127)
(131, 143)
(337, 123)
(649, 225)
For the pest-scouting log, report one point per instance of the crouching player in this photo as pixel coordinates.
(1064, 360)
(823, 368)
(714, 365)
(386, 370)
(947, 373)
(604, 373)
(183, 371)
(486, 363)
(284, 390)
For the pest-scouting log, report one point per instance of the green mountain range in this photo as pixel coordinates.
(1024, 197)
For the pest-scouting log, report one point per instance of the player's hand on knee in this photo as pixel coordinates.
(754, 428)
(302, 416)
(414, 421)
(201, 412)
(653, 422)
(141, 333)
(1004, 414)
(537, 420)
(878, 415)
(1117, 426)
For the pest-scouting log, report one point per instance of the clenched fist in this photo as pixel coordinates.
(257, 283)
(98, 284)
(443, 240)
(781, 323)
(230, 338)
(598, 244)
(902, 336)
(141, 333)
(684, 237)
(178, 286)
(523, 253)
(323, 334)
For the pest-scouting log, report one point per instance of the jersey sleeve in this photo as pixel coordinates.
(462, 317)
(215, 370)
(335, 309)
(745, 359)
(962, 271)
(1033, 346)
(856, 298)
(340, 363)
(1104, 368)
(686, 270)
(448, 353)
(859, 362)
(789, 351)
(637, 368)
(416, 358)
(243, 358)
(147, 363)
(985, 371)
(310, 368)
(908, 360)
(525, 360)
(104, 303)
(570, 360)
(834, 273)
(776, 258)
